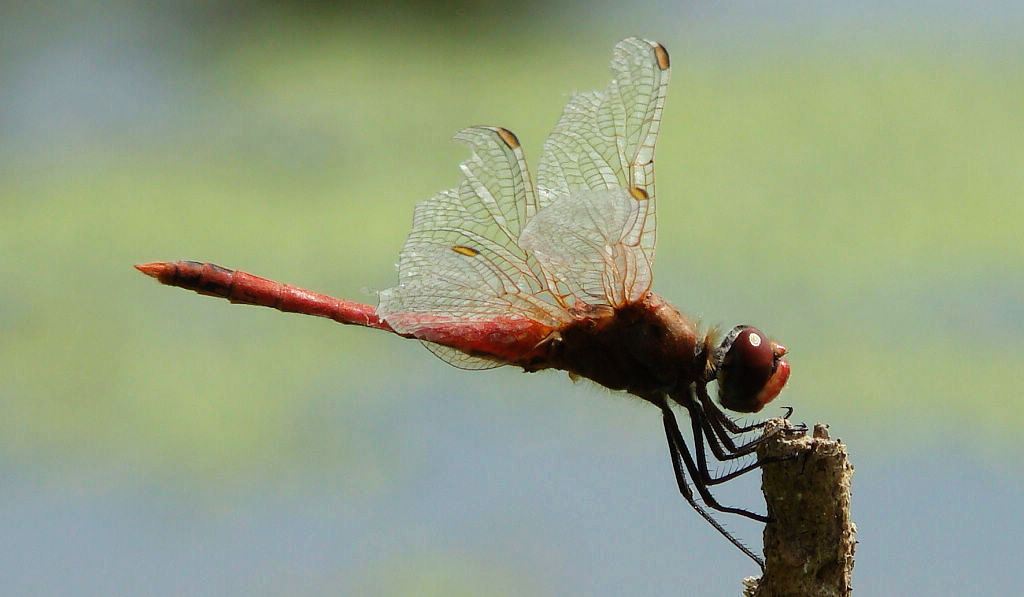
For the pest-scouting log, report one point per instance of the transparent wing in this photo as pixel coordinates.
(492, 248)
(457, 358)
(588, 244)
(605, 141)
(462, 261)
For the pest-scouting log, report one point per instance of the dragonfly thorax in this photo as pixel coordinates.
(646, 348)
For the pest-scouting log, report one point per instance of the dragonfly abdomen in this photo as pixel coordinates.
(244, 288)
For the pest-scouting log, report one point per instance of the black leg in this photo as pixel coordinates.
(676, 439)
(705, 422)
(680, 457)
(725, 420)
(720, 418)
(721, 444)
(698, 423)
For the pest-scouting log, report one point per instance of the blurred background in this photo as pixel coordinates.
(848, 178)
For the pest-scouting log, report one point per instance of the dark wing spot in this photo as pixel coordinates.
(507, 136)
(662, 55)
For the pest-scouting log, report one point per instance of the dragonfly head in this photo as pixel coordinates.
(751, 371)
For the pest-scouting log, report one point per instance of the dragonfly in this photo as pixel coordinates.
(555, 272)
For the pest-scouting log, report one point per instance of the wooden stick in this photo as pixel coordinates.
(809, 547)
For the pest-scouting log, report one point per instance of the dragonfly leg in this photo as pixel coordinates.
(719, 420)
(700, 477)
(721, 443)
(699, 426)
(683, 462)
(725, 419)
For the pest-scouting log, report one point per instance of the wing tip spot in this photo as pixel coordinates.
(662, 55)
(639, 194)
(468, 252)
(508, 137)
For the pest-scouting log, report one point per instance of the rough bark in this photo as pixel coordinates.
(809, 546)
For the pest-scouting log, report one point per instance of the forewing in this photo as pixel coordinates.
(605, 141)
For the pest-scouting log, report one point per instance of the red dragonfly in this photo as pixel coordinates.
(556, 274)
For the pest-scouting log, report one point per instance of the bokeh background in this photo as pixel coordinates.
(849, 178)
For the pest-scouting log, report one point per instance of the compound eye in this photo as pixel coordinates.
(750, 370)
(751, 350)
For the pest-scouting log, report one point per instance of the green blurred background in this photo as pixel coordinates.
(849, 179)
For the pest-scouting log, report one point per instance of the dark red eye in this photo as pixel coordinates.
(751, 370)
